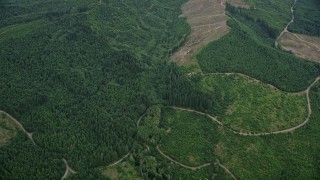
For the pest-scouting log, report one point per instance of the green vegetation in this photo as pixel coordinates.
(209, 172)
(78, 75)
(190, 138)
(241, 51)
(179, 90)
(307, 18)
(256, 107)
(121, 171)
(8, 129)
(283, 156)
(269, 16)
(21, 159)
(148, 129)
(150, 163)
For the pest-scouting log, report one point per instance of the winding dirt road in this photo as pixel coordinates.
(226, 170)
(286, 28)
(180, 164)
(264, 133)
(138, 122)
(69, 170)
(29, 134)
(119, 161)
(196, 167)
(307, 91)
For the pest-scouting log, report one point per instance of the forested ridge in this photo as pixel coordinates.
(77, 74)
(92, 81)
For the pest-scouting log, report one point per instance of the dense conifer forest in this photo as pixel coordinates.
(94, 89)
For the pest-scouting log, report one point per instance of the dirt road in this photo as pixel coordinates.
(307, 91)
(180, 164)
(226, 170)
(29, 134)
(286, 28)
(119, 161)
(68, 170)
(196, 167)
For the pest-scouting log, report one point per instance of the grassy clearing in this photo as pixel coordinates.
(284, 156)
(190, 138)
(256, 107)
(7, 129)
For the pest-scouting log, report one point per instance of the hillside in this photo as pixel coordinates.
(162, 89)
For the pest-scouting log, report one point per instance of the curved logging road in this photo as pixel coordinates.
(196, 167)
(307, 91)
(180, 164)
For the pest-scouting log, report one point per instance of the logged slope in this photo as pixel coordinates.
(207, 20)
(304, 46)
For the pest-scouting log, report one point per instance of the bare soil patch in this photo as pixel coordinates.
(207, 20)
(307, 47)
